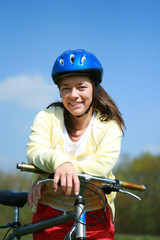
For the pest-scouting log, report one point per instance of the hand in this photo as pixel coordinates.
(36, 192)
(68, 179)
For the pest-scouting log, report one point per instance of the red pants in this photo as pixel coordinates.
(101, 231)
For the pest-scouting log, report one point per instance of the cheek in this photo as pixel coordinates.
(90, 94)
(63, 95)
(64, 100)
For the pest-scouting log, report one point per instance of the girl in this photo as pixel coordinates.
(81, 134)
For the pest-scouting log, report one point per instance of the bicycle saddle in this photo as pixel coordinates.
(14, 199)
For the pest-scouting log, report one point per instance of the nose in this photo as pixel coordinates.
(74, 93)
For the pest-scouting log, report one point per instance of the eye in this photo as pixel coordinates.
(65, 89)
(82, 87)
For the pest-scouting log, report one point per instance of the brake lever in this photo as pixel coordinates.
(44, 180)
(130, 194)
(114, 188)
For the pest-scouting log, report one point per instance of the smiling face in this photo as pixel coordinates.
(76, 93)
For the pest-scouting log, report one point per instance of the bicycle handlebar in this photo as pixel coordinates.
(128, 185)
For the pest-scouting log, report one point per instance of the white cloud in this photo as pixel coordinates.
(152, 148)
(28, 91)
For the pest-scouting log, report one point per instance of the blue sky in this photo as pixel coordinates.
(123, 34)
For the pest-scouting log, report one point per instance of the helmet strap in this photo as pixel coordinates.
(94, 96)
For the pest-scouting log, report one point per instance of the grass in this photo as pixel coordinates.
(135, 237)
(117, 237)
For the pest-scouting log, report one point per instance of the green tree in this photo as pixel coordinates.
(139, 217)
(16, 182)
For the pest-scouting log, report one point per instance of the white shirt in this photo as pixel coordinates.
(76, 148)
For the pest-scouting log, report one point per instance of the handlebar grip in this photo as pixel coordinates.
(29, 168)
(132, 186)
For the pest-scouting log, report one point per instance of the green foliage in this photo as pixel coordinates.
(133, 216)
(135, 237)
(16, 182)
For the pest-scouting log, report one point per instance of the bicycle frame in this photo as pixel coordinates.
(78, 230)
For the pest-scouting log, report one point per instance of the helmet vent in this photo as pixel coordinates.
(72, 57)
(83, 59)
(62, 62)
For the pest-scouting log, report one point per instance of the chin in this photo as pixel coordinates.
(76, 113)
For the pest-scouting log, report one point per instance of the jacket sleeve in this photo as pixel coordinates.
(39, 151)
(106, 155)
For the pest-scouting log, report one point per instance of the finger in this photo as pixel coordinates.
(29, 200)
(63, 184)
(69, 186)
(34, 196)
(76, 184)
(39, 189)
(55, 182)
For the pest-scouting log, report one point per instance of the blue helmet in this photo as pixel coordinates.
(75, 62)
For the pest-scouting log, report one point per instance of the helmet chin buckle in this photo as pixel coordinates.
(83, 113)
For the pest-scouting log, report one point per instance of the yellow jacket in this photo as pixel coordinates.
(46, 151)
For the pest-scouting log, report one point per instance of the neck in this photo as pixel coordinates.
(76, 125)
(79, 126)
(83, 121)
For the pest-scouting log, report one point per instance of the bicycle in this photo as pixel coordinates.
(78, 230)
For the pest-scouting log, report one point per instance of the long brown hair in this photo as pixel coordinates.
(102, 102)
(108, 108)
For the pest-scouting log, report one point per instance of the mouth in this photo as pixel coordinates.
(75, 103)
